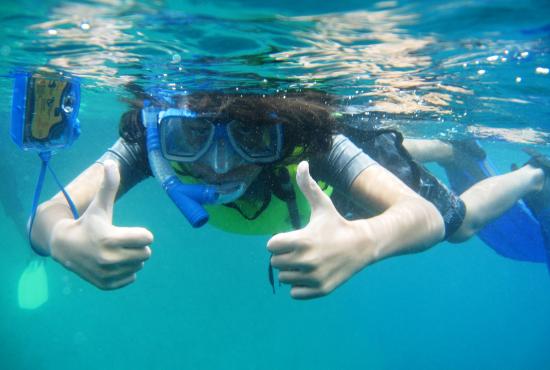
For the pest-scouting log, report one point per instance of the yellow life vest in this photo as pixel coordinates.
(275, 218)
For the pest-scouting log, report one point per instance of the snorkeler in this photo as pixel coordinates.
(247, 159)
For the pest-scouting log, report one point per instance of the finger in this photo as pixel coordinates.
(106, 195)
(302, 292)
(136, 255)
(288, 261)
(284, 242)
(130, 237)
(110, 283)
(297, 278)
(117, 257)
(120, 282)
(113, 259)
(315, 196)
(121, 270)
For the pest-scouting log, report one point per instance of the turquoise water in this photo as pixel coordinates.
(203, 300)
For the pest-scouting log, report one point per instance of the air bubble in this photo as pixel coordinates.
(541, 71)
(52, 32)
(176, 58)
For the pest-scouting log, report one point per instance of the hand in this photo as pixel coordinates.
(105, 255)
(328, 251)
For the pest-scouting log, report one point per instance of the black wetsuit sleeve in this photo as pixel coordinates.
(132, 162)
(341, 165)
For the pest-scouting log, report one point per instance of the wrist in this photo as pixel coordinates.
(58, 232)
(390, 234)
(367, 242)
(48, 216)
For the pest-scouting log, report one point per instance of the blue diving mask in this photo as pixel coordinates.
(188, 137)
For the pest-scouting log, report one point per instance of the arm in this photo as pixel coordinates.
(408, 223)
(82, 190)
(91, 246)
(330, 249)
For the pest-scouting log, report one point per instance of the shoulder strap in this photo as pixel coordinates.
(283, 189)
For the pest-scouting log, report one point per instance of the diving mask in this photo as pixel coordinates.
(186, 137)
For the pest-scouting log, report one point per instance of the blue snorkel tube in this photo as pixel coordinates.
(189, 198)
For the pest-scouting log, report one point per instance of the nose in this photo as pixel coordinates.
(221, 156)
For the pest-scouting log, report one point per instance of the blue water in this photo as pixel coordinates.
(203, 300)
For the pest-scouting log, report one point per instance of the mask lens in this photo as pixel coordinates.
(185, 138)
(256, 142)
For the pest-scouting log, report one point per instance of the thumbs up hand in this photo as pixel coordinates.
(91, 246)
(324, 254)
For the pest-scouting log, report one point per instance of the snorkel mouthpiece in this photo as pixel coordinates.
(188, 198)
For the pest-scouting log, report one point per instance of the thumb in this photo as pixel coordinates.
(317, 199)
(105, 197)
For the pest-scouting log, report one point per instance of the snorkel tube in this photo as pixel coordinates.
(189, 198)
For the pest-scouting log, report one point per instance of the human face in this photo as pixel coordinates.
(218, 153)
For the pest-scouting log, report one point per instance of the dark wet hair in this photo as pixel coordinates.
(307, 118)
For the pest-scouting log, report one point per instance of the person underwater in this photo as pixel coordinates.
(290, 166)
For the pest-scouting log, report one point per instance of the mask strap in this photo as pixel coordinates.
(271, 275)
(45, 158)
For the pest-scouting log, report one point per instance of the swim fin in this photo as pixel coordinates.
(539, 202)
(517, 233)
(32, 290)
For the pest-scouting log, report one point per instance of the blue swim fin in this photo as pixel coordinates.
(539, 202)
(517, 233)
